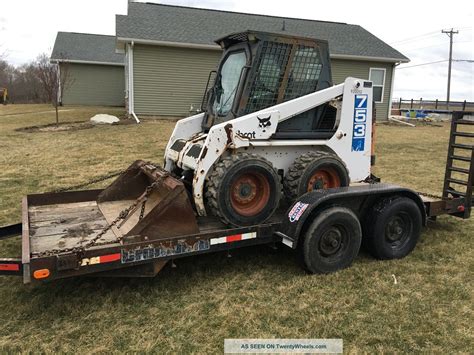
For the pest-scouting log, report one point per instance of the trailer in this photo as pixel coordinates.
(132, 232)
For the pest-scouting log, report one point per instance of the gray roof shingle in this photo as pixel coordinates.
(169, 23)
(86, 47)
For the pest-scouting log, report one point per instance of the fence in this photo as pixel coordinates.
(433, 105)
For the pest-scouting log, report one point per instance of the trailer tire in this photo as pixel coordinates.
(332, 241)
(314, 170)
(392, 228)
(243, 190)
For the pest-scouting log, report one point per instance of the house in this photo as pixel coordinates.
(95, 70)
(170, 51)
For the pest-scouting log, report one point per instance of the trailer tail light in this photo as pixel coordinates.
(461, 208)
(41, 274)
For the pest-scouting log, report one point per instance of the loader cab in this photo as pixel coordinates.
(258, 70)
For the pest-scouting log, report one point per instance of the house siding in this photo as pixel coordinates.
(169, 80)
(95, 85)
(341, 69)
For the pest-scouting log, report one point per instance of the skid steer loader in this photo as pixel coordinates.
(271, 121)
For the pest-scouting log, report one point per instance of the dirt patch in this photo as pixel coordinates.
(52, 127)
(68, 126)
(82, 231)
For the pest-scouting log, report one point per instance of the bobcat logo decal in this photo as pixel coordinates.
(264, 122)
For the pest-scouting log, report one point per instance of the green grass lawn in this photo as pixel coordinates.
(258, 292)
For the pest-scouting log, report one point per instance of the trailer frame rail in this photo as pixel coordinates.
(131, 254)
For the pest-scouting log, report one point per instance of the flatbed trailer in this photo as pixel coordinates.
(326, 225)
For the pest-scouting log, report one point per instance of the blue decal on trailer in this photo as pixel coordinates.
(360, 123)
(163, 250)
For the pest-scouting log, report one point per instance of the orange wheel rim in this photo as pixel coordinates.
(324, 178)
(249, 194)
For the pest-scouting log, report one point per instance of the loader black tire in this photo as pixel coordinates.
(314, 170)
(392, 228)
(243, 190)
(332, 241)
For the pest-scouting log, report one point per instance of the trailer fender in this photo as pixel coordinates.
(358, 198)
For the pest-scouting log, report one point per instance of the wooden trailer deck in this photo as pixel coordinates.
(66, 225)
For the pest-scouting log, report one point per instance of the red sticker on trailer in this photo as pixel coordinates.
(100, 259)
(109, 258)
(9, 267)
(233, 238)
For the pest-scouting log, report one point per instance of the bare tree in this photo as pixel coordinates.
(55, 79)
(3, 53)
(22, 83)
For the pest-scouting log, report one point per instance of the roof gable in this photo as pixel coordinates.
(178, 24)
(87, 48)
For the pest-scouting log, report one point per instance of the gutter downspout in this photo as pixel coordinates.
(59, 94)
(391, 89)
(131, 94)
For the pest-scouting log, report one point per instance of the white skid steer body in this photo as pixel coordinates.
(190, 148)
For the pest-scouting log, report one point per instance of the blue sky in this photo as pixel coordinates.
(412, 27)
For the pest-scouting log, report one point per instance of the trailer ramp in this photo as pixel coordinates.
(459, 175)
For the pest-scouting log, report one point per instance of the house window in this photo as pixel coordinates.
(377, 76)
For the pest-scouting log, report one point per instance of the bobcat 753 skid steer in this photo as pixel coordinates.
(272, 116)
(272, 121)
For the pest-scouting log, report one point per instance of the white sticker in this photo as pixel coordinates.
(297, 211)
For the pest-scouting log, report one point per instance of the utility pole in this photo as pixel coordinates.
(450, 34)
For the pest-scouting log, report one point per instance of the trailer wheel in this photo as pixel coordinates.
(393, 228)
(243, 190)
(332, 241)
(312, 171)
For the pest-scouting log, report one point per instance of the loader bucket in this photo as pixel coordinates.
(167, 211)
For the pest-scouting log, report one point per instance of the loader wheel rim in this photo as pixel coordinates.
(324, 178)
(249, 194)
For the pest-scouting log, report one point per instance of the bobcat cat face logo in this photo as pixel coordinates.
(264, 122)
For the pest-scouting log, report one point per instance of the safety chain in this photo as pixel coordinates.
(91, 182)
(123, 215)
(429, 195)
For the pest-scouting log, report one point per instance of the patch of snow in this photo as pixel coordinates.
(104, 119)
